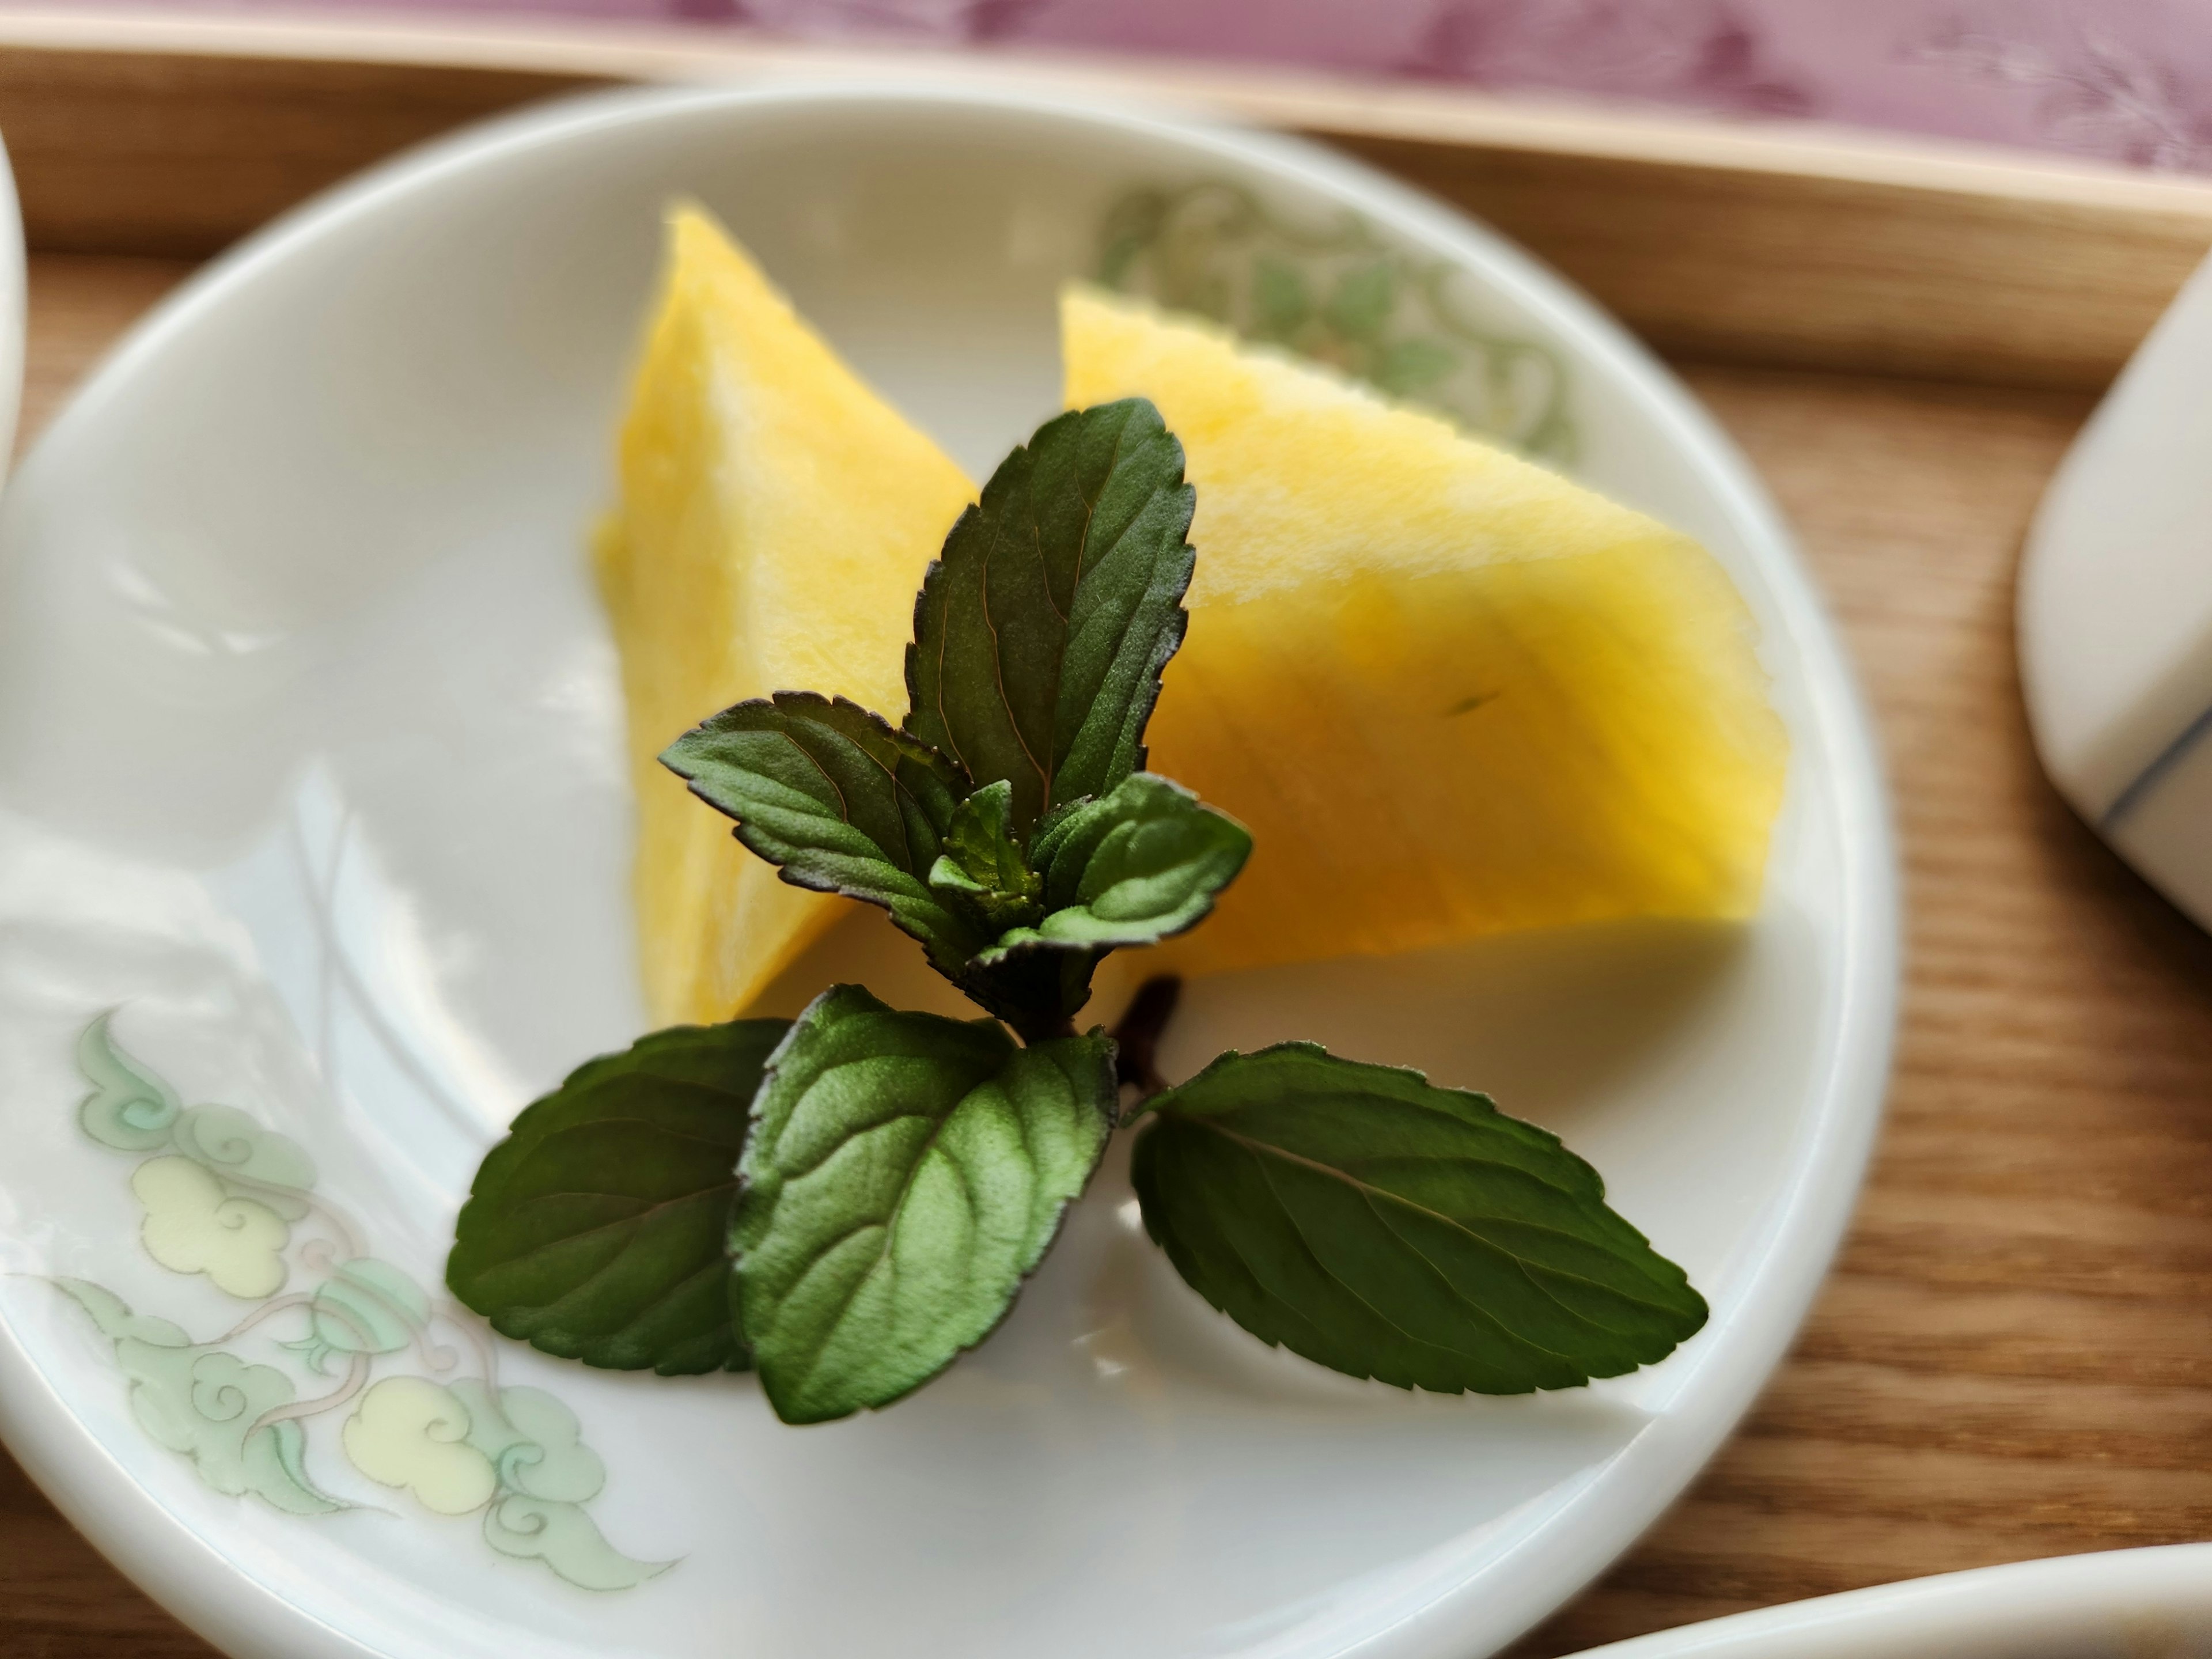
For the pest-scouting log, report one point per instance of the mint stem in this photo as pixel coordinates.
(1137, 1038)
(1035, 1027)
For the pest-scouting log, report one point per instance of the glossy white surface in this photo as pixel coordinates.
(11, 309)
(2124, 1604)
(2115, 608)
(309, 761)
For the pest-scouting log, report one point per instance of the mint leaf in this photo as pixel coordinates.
(842, 800)
(599, 1230)
(905, 1173)
(1144, 863)
(1041, 633)
(982, 868)
(1387, 1228)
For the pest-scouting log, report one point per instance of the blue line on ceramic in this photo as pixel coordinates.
(2156, 774)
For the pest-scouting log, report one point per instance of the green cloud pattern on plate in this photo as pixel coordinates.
(227, 1198)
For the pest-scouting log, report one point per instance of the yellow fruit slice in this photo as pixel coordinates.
(775, 519)
(1450, 692)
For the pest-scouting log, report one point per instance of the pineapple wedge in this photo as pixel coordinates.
(776, 517)
(1450, 692)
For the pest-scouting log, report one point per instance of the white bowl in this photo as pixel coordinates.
(11, 309)
(2123, 1604)
(310, 765)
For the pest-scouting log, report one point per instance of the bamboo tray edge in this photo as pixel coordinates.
(173, 135)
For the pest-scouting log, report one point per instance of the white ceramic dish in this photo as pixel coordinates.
(11, 309)
(309, 766)
(2124, 1604)
(2115, 610)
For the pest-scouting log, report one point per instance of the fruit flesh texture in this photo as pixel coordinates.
(774, 518)
(1449, 692)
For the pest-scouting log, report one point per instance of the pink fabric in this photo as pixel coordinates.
(2125, 79)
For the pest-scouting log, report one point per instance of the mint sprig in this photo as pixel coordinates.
(1039, 640)
(849, 1212)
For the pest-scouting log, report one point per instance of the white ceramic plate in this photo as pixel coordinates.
(2124, 1604)
(11, 309)
(309, 767)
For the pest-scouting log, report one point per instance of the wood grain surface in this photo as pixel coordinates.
(175, 133)
(2014, 1356)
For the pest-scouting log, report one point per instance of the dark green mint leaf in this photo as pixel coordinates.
(1359, 1216)
(1144, 863)
(1040, 635)
(599, 1230)
(981, 865)
(905, 1173)
(844, 801)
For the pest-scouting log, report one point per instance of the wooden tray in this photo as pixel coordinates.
(2014, 1356)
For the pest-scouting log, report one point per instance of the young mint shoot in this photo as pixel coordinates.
(848, 1203)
